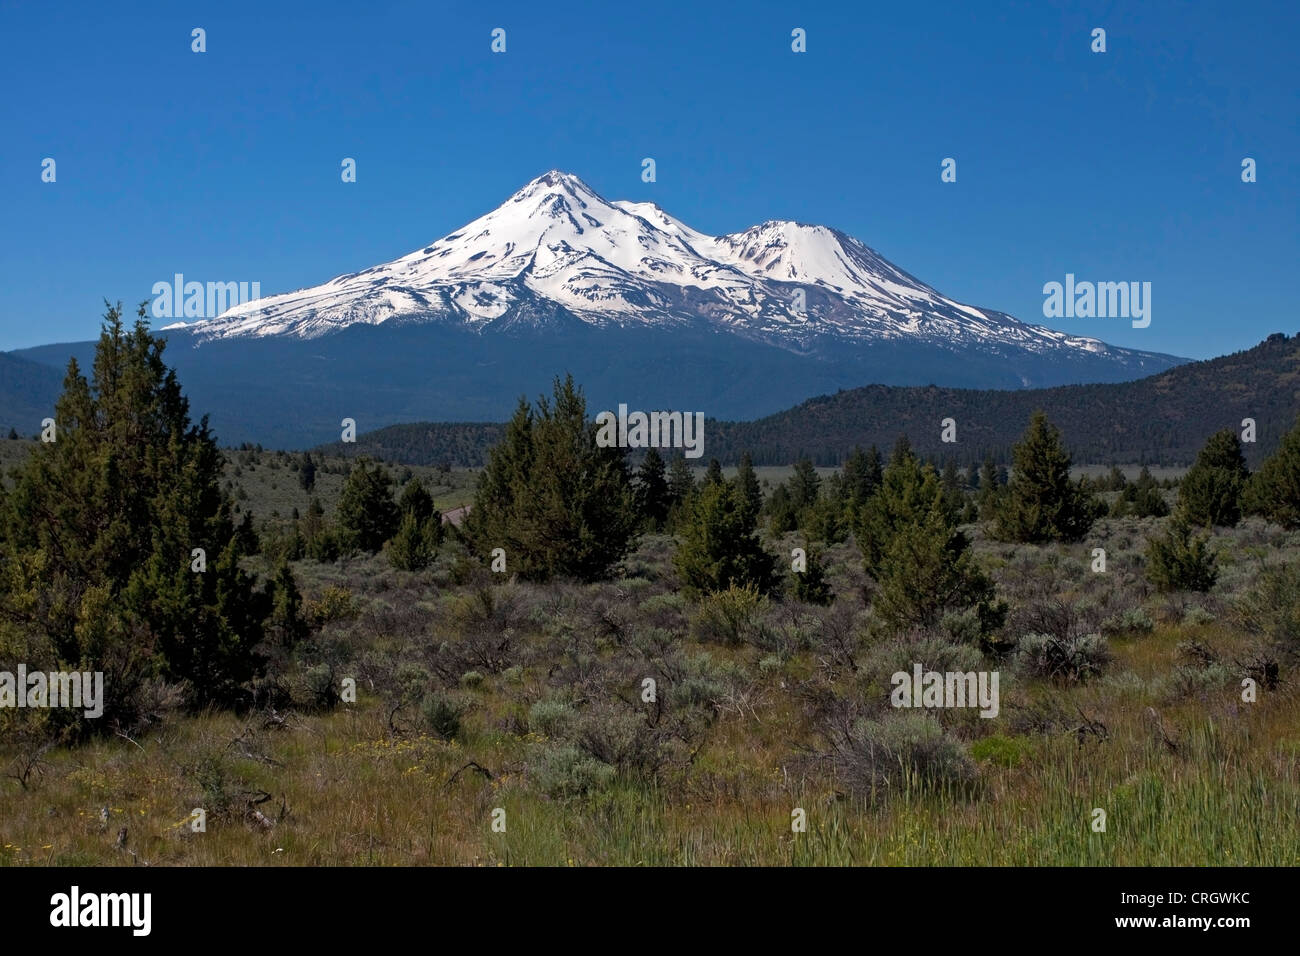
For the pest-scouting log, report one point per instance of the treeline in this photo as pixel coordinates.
(1157, 421)
(454, 444)
(1161, 420)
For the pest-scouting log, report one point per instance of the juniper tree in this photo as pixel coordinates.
(1041, 502)
(1179, 560)
(1210, 493)
(307, 472)
(419, 530)
(118, 545)
(1141, 498)
(810, 585)
(862, 471)
(719, 545)
(367, 514)
(921, 563)
(1274, 490)
(555, 500)
(782, 516)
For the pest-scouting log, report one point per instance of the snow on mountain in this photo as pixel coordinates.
(557, 247)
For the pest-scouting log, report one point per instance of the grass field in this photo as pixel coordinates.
(477, 694)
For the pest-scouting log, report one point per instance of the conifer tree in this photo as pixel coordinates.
(713, 474)
(748, 483)
(1210, 493)
(1180, 561)
(287, 623)
(1042, 503)
(862, 475)
(117, 543)
(780, 510)
(989, 489)
(1141, 498)
(899, 501)
(953, 494)
(804, 484)
(1274, 491)
(681, 485)
(419, 531)
(922, 564)
(810, 585)
(307, 472)
(557, 502)
(719, 546)
(367, 514)
(653, 496)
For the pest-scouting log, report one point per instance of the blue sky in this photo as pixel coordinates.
(1122, 166)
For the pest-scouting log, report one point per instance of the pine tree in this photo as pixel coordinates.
(748, 483)
(118, 546)
(681, 486)
(1274, 491)
(653, 496)
(491, 522)
(804, 484)
(719, 546)
(1042, 503)
(322, 543)
(558, 503)
(713, 474)
(1211, 491)
(826, 520)
(989, 490)
(367, 514)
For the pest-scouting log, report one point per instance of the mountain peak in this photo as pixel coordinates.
(557, 177)
(557, 252)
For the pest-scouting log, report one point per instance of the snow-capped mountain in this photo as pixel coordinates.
(635, 304)
(557, 248)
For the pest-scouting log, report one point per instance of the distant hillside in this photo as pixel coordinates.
(29, 391)
(1161, 420)
(458, 444)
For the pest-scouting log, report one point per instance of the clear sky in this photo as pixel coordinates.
(225, 165)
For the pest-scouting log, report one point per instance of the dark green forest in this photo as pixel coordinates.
(1161, 420)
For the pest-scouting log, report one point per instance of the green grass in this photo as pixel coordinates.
(1187, 773)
